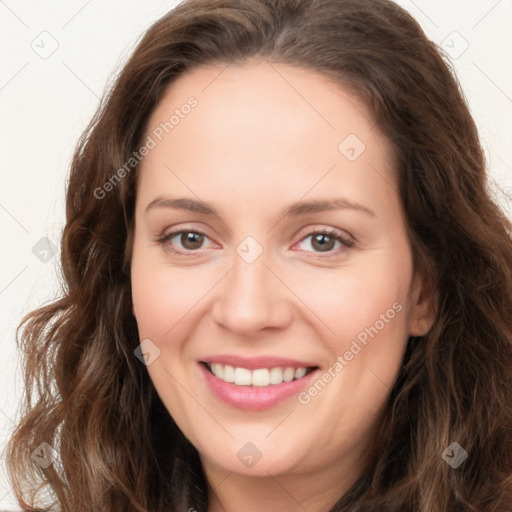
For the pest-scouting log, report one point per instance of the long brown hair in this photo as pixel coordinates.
(91, 399)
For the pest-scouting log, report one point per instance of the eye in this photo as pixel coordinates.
(325, 240)
(189, 240)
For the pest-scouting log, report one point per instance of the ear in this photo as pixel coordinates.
(423, 309)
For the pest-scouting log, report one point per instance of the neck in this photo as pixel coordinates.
(315, 491)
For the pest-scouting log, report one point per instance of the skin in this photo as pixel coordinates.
(262, 137)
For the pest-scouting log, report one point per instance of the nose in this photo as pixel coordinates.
(252, 298)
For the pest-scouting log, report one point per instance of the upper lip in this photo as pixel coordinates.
(253, 363)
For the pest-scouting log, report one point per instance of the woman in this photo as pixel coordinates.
(286, 285)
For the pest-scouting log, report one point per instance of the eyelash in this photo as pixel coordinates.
(345, 242)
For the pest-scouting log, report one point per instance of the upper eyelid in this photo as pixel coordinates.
(308, 232)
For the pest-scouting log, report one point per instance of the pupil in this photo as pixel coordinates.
(323, 244)
(191, 240)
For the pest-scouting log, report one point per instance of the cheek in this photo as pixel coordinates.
(366, 312)
(162, 296)
(351, 301)
(163, 299)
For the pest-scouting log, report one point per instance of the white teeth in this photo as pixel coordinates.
(288, 374)
(300, 372)
(276, 375)
(242, 377)
(261, 377)
(229, 373)
(218, 370)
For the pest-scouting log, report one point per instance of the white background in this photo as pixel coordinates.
(45, 104)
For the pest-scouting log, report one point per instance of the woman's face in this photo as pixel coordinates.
(269, 236)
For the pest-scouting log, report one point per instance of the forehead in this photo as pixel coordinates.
(263, 124)
(271, 94)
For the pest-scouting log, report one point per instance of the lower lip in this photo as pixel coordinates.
(254, 398)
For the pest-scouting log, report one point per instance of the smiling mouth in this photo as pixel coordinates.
(260, 377)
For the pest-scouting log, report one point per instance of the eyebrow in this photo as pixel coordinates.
(293, 210)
